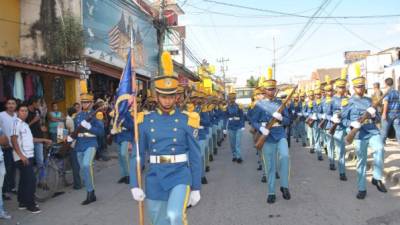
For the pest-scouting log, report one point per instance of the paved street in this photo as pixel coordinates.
(234, 196)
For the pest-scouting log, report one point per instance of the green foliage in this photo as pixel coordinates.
(67, 41)
(251, 82)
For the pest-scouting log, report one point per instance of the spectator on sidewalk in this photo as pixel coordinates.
(3, 141)
(35, 124)
(376, 96)
(391, 111)
(55, 118)
(23, 144)
(69, 124)
(6, 124)
(77, 107)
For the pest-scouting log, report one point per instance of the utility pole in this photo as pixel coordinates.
(224, 68)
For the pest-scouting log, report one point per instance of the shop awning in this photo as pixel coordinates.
(182, 70)
(107, 69)
(39, 67)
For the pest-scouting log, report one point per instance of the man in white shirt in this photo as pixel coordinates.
(7, 118)
(23, 144)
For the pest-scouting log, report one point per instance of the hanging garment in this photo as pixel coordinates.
(28, 86)
(39, 92)
(2, 86)
(8, 78)
(18, 90)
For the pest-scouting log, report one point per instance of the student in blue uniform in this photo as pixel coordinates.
(235, 117)
(367, 136)
(276, 142)
(339, 102)
(86, 143)
(170, 139)
(308, 112)
(326, 117)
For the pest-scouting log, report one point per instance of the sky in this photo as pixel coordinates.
(215, 30)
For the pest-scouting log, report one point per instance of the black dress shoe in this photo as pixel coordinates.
(285, 193)
(204, 180)
(304, 144)
(379, 185)
(361, 194)
(219, 143)
(297, 140)
(207, 169)
(6, 197)
(271, 199)
(215, 151)
(312, 151)
(211, 158)
(332, 167)
(122, 180)
(277, 175)
(264, 179)
(320, 158)
(259, 167)
(91, 197)
(234, 159)
(343, 177)
(239, 160)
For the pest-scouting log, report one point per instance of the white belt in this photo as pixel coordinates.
(86, 135)
(156, 159)
(201, 127)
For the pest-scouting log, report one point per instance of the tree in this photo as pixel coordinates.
(251, 82)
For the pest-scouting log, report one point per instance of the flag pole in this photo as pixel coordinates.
(136, 130)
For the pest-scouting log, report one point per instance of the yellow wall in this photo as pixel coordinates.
(10, 27)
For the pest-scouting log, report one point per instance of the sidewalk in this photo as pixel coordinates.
(392, 160)
(71, 196)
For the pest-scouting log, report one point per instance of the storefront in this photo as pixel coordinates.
(25, 79)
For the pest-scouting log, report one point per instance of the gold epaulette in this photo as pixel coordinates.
(99, 116)
(140, 116)
(345, 102)
(193, 119)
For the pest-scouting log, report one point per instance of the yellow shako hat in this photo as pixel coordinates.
(167, 83)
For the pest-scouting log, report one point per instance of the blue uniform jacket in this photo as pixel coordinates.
(127, 130)
(317, 109)
(354, 110)
(205, 123)
(163, 134)
(235, 117)
(327, 111)
(336, 108)
(263, 113)
(97, 129)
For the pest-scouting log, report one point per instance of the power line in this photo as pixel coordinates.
(319, 26)
(301, 16)
(305, 28)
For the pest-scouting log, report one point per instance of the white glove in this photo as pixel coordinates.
(86, 124)
(323, 116)
(264, 131)
(224, 131)
(314, 116)
(277, 116)
(355, 124)
(69, 139)
(371, 111)
(242, 128)
(194, 198)
(138, 194)
(335, 119)
(299, 114)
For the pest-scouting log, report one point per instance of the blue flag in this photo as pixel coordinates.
(124, 97)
